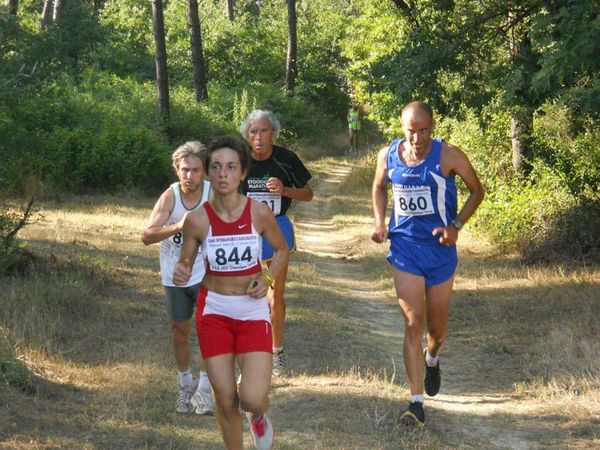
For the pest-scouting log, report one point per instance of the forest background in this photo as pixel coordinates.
(95, 95)
(515, 84)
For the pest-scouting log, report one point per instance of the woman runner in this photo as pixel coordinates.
(233, 311)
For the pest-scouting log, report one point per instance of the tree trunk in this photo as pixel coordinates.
(230, 14)
(520, 130)
(46, 12)
(57, 13)
(291, 67)
(200, 75)
(523, 62)
(160, 58)
(13, 6)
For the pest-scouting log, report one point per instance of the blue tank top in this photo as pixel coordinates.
(423, 198)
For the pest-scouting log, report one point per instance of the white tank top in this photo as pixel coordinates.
(170, 247)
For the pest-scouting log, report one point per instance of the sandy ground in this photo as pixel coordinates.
(112, 384)
(477, 406)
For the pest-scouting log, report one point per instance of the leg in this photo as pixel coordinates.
(410, 290)
(255, 368)
(355, 142)
(438, 299)
(222, 377)
(255, 383)
(180, 335)
(277, 304)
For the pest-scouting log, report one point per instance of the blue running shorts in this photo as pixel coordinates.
(435, 263)
(286, 227)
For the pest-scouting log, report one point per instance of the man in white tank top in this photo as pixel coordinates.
(165, 226)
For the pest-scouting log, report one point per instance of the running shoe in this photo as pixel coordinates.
(184, 397)
(414, 415)
(203, 403)
(278, 363)
(433, 377)
(261, 431)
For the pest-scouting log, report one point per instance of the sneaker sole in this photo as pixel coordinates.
(409, 419)
(207, 412)
(189, 411)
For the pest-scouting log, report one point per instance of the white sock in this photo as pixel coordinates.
(277, 350)
(417, 398)
(186, 378)
(204, 382)
(431, 360)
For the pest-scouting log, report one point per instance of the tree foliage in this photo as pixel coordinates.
(77, 96)
(463, 54)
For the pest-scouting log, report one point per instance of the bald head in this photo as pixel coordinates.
(417, 108)
(417, 124)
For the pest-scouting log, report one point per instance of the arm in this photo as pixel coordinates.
(156, 230)
(263, 217)
(192, 235)
(380, 197)
(454, 160)
(304, 193)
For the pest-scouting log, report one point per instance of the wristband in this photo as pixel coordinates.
(267, 278)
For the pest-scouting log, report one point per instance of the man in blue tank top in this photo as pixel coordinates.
(423, 230)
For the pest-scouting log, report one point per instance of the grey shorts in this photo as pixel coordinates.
(180, 302)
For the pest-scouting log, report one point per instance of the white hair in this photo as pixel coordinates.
(259, 114)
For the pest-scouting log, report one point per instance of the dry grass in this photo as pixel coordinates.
(521, 366)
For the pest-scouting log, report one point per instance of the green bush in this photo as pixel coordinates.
(553, 212)
(10, 252)
(99, 133)
(12, 370)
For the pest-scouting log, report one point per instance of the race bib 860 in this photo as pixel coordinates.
(412, 201)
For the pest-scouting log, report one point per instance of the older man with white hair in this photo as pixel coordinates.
(276, 177)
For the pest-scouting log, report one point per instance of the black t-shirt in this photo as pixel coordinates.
(283, 164)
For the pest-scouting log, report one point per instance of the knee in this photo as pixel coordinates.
(414, 327)
(227, 404)
(254, 402)
(179, 333)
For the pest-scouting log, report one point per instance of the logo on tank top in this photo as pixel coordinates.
(257, 184)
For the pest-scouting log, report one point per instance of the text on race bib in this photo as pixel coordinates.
(412, 201)
(232, 253)
(177, 238)
(271, 199)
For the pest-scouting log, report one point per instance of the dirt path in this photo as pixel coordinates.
(476, 408)
(108, 382)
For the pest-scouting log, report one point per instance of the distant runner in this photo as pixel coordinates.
(353, 129)
(423, 229)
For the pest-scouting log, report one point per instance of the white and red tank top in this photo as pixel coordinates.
(232, 248)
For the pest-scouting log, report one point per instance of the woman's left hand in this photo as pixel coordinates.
(257, 288)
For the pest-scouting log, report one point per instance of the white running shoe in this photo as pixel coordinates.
(203, 403)
(262, 432)
(184, 396)
(278, 363)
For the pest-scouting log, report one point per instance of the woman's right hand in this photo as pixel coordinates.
(182, 272)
